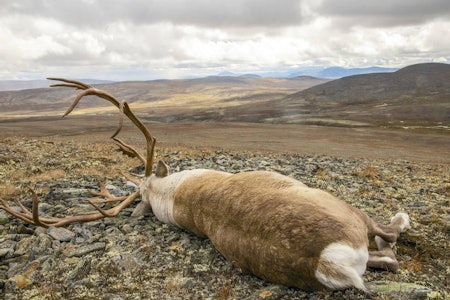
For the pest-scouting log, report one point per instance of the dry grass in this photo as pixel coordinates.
(73, 162)
(225, 292)
(52, 174)
(344, 142)
(7, 190)
(368, 172)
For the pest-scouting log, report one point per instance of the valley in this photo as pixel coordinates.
(399, 115)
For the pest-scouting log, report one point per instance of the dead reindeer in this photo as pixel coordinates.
(270, 225)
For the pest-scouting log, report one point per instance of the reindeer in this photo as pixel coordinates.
(267, 224)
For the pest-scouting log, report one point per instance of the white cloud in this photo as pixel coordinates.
(29, 44)
(146, 39)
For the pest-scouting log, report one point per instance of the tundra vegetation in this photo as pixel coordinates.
(96, 252)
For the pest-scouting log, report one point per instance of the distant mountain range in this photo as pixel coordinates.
(338, 72)
(418, 95)
(155, 98)
(415, 96)
(328, 73)
(14, 85)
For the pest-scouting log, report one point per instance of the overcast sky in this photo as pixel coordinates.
(148, 39)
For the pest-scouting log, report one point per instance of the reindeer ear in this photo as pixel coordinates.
(162, 170)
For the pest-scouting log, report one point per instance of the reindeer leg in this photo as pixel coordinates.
(389, 233)
(384, 258)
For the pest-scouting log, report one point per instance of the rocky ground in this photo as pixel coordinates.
(125, 258)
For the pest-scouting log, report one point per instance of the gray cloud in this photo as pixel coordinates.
(385, 13)
(208, 13)
(176, 38)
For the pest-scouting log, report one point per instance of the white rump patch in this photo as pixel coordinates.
(341, 266)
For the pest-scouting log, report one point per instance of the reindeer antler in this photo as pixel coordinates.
(32, 217)
(125, 110)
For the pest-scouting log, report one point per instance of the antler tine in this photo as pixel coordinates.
(34, 218)
(5, 206)
(69, 83)
(26, 215)
(121, 104)
(129, 150)
(112, 212)
(35, 210)
(123, 107)
(150, 140)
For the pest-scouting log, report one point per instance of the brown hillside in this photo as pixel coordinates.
(415, 95)
(159, 99)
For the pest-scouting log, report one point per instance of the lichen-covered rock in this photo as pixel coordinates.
(140, 258)
(60, 234)
(400, 289)
(83, 250)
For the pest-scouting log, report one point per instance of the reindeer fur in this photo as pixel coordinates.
(273, 226)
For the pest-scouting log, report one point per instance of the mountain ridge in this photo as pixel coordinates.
(159, 98)
(318, 72)
(417, 95)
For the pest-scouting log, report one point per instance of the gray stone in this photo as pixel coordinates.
(4, 251)
(410, 290)
(81, 270)
(83, 250)
(4, 218)
(127, 228)
(61, 234)
(40, 230)
(42, 245)
(24, 245)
